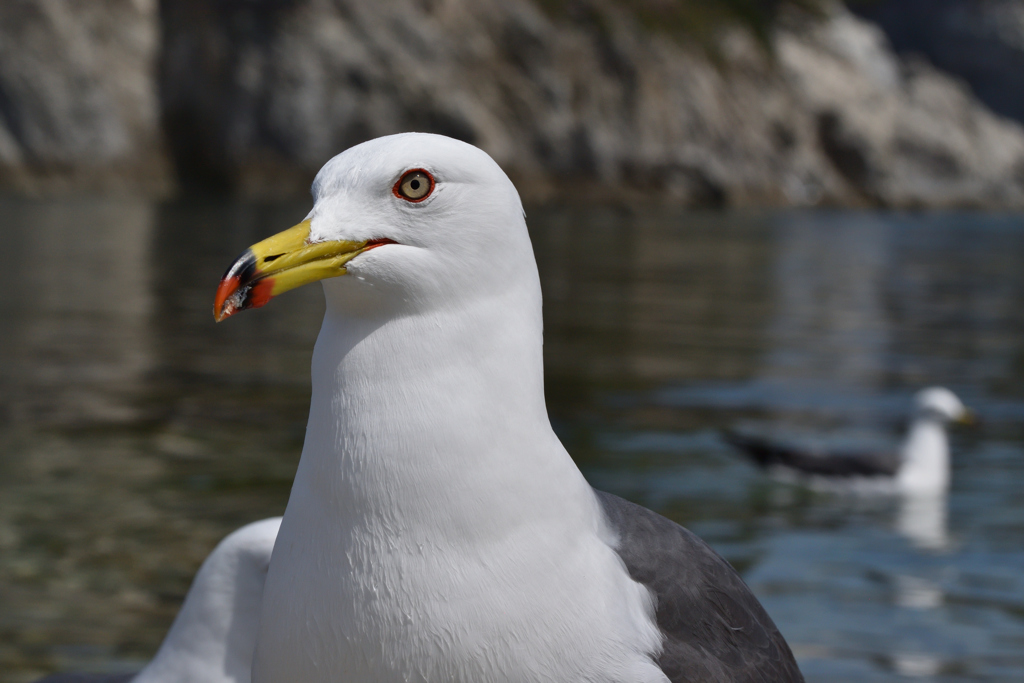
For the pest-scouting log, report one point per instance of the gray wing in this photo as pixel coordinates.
(767, 452)
(714, 628)
(87, 678)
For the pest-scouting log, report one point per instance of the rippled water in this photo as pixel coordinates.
(135, 433)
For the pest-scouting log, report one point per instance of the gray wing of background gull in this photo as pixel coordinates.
(768, 452)
(714, 628)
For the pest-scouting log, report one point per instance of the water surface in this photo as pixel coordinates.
(135, 433)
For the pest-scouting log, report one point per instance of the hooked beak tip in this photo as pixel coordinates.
(234, 295)
(222, 304)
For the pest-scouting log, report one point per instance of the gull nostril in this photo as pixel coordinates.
(272, 258)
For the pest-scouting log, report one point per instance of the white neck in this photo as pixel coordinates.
(435, 516)
(413, 415)
(925, 467)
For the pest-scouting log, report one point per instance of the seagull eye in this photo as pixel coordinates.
(415, 185)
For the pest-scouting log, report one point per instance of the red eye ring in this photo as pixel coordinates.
(398, 188)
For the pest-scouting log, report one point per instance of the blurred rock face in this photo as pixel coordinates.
(583, 100)
(981, 41)
(77, 105)
(900, 133)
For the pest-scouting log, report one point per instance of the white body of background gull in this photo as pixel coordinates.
(924, 456)
(437, 530)
(920, 466)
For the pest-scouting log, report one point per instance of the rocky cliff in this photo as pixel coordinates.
(78, 105)
(981, 41)
(575, 99)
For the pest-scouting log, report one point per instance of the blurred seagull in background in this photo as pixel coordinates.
(437, 530)
(920, 466)
(212, 638)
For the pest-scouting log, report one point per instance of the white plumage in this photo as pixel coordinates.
(924, 455)
(437, 530)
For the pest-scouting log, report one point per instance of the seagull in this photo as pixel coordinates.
(437, 529)
(919, 467)
(212, 638)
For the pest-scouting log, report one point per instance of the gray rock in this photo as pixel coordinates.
(980, 41)
(590, 102)
(900, 132)
(78, 106)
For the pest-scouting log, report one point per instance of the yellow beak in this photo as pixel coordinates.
(969, 418)
(282, 262)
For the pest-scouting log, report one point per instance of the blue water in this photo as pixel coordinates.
(134, 433)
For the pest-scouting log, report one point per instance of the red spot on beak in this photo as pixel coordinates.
(260, 294)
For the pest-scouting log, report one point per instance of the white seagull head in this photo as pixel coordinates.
(938, 403)
(418, 220)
